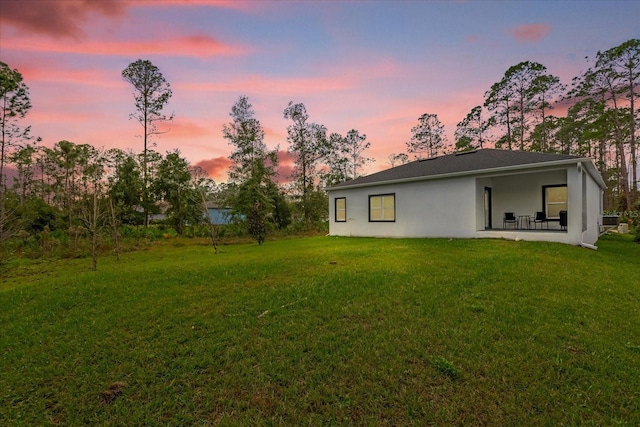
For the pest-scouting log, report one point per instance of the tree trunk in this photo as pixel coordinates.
(543, 141)
(623, 177)
(2, 180)
(632, 143)
(2, 206)
(94, 250)
(508, 125)
(212, 228)
(145, 198)
(522, 114)
(116, 233)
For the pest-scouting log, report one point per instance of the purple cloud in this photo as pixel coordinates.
(530, 33)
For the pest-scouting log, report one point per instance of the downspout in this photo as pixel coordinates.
(588, 246)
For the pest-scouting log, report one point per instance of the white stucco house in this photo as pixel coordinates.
(467, 194)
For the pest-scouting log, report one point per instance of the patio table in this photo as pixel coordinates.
(524, 219)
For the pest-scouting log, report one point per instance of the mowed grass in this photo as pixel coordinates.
(326, 331)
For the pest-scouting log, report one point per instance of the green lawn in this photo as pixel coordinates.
(326, 331)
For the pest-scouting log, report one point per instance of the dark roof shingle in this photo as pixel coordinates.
(477, 160)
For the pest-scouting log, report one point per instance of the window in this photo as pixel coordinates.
(382, 207)
(554, 200)
(341, 209)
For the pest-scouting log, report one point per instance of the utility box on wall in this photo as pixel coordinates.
(610, 219)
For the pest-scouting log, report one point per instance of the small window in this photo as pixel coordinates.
(341, 209)
(555, 200)
(382, 207)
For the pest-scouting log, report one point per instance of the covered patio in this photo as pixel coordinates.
(542, 205)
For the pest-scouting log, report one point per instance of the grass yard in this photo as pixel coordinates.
(326, 331)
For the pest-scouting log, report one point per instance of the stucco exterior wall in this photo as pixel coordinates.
(593, 205)
(574, 205)
(435, 208)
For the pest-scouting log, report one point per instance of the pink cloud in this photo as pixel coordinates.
(275, 134)
(334, 78)
(60, 116)
(33, 73)
(530, 33)
(226, 4)
(183, 128)
(273, 85)
(56, 18)
(66, 18)
(285, 167)
(216, 168)
(197, 46)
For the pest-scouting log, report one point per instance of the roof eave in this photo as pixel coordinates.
(595, 174)
(501, 169)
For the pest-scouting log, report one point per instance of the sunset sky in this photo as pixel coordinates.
(371, 66)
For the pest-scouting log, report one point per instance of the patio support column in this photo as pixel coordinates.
(574, 204)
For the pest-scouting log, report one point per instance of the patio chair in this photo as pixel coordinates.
(509, 218)
(540, 218)
(563, 220)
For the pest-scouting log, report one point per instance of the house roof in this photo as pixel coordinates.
(215, 205)
(468, 162)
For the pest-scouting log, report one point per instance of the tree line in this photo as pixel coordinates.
(599, 119)
(82, 189)
(77, 186)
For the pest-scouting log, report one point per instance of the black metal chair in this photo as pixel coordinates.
(563, 220)
(509, 218)
(540, 218)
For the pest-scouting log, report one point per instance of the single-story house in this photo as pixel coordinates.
(219, 215)
(485, 193)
